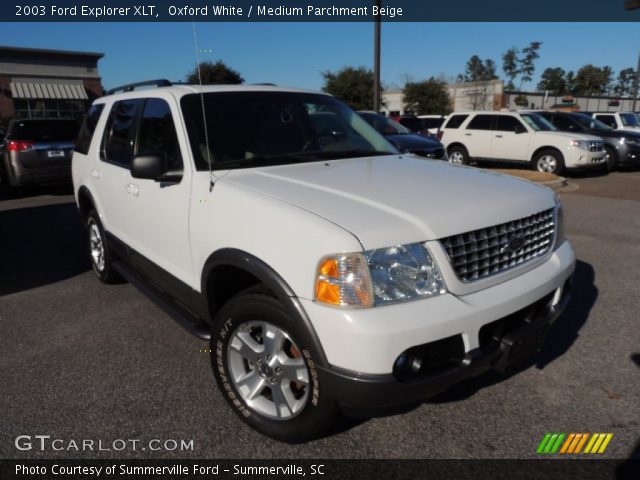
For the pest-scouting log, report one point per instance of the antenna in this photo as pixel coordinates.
(204, 113)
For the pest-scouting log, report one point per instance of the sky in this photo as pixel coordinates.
(295, 54)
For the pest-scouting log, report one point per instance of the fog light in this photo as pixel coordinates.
(416, 363)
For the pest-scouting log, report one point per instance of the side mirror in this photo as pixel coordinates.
(149, 166)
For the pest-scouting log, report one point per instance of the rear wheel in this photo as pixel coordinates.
(264, 364)
(549, 161)
(458, 155)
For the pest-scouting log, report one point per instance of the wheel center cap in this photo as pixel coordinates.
(265, 370)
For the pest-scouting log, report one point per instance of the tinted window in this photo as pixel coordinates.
(118, 146)
(629, 120)
(507, 123)
(43, 130)
(565, 124)
(88, 127)
(607, 119)
(262, 128)
(436, 122)
(157, 133)
(480, 122)
(455, 121)
(412, 124)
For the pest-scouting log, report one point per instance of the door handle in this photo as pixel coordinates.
(498, 136)
(133, 189)
(95, 173)
(468, 134)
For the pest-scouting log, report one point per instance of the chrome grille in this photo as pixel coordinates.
(492, 250)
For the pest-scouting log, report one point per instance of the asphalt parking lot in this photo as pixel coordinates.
(81, 360)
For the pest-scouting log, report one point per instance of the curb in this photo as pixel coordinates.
(555, 184)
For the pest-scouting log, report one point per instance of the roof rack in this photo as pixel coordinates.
(130, 87)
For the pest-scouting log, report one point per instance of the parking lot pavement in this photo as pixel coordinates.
(85, 361)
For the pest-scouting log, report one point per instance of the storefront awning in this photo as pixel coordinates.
(49, 89)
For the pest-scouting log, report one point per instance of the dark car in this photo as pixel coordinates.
(622, 147)
(38, 151)
(403, 138)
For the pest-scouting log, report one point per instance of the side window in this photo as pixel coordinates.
(88, 127)
(455, 121)
(119, 133)
(157, 132)
(507, 123)
(564, 124)
(608, 119)
(480, 122)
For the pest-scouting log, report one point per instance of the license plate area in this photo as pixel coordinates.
(55, 153)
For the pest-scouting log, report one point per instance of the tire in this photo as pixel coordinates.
(612, 158)
(255, 375)
(459, 155)
(99, 252)
(549, 161)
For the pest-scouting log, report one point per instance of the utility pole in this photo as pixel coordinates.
(376, 61)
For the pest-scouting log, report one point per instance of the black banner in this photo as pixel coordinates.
(320, 469)
(317, 11)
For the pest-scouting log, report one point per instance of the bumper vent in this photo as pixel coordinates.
(489, 251)
(596, 146)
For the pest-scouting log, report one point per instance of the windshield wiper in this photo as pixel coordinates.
(283, 159)
(353, 153)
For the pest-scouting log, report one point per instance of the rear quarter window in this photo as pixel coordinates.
(88, 128)
(455, 121)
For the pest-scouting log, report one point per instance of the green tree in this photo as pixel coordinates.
(510, 67)
(490, 70)
(624, 83)
(478, 70)
(214, 73)
(591, 80)
(352, 85)
(526, 62)
(553, 80)
(427, 97)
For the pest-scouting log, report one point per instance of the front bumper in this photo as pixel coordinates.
(363, 345)
(374, 393)
(629, 155)
(578, 159)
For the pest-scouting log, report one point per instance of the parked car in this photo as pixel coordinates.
(413, 123)
(38, 151)
(617, 120)
(327, 275)
(521, 137)
(403, 138)
(433, 123)
(622, 147)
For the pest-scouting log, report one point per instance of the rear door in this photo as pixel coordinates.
(478, 135)
(510, 139)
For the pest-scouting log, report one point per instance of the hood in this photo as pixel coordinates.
(390, 200)
(615, 133)
(412, 141)
(573, 135)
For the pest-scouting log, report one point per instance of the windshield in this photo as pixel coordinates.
(629, 120)
(538, 122)
(250, 129)
(383, 124)
(590, 122)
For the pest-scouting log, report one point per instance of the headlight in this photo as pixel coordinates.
(583, 144)
(379, 277)
(559, 223)
(628, 141)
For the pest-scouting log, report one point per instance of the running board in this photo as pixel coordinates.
(194, 325)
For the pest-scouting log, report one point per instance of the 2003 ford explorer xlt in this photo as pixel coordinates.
(329, 271)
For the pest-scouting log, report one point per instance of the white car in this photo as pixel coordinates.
(328, 271)
(619, 120)
(523, 137)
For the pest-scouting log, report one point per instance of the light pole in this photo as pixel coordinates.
(632, 5)
(376, 61)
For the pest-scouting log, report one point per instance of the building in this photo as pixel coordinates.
(47, 83)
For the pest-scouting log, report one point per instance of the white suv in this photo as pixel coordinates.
(328, 271)
(619, 120)
(519, 137)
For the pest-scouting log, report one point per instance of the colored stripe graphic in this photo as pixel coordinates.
(556, 442)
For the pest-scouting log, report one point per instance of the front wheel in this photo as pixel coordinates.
(549, 161)
(265, 367)
(458, 155)
(99, 251)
